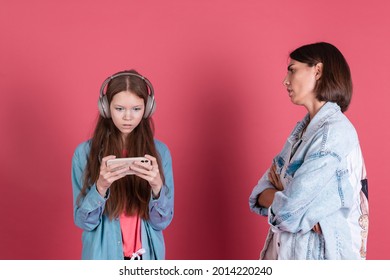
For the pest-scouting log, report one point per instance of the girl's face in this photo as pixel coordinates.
(127, 110)
(300, 82)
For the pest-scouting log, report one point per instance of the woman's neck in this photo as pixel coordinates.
(314, 108)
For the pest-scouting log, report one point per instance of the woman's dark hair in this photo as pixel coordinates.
(335, 83)
(130, 194)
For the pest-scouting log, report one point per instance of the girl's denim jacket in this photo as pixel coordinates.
(102, 237)
(324, 182)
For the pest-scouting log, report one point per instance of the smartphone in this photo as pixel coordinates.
(127, 162)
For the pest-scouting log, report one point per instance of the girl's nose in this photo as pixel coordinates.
(127, 115)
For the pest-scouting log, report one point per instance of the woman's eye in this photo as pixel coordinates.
(137, 109)
(119, 109)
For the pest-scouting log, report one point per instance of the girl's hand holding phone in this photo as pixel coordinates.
(109, 174)
(149, 172)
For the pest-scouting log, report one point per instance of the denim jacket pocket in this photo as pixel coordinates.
(309, 246)
(316, 246)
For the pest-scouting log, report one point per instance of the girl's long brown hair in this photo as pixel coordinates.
(130, 194)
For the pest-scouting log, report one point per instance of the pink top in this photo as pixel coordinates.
(131, 234)
(131, 230)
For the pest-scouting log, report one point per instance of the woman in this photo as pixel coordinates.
(122, 216)
(315, 192)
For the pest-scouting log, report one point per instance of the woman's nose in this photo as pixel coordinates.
(286, 82)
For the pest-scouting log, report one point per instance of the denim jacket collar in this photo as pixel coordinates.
(322, 115)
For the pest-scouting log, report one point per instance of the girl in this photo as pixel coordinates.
(123, 216)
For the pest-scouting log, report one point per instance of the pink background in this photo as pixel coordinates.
(217, 69)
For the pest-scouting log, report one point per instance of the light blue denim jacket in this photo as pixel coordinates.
(324, 182)
(101, 237)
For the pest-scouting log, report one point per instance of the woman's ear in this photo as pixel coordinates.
(318, 68)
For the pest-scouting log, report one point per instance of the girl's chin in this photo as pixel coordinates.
(125, 133)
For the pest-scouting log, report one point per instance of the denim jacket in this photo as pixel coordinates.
(102, 237)
(323, 174)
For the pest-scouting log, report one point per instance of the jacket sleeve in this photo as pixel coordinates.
(88, 210)
(262, 185)
(161, 209)
(317, 189)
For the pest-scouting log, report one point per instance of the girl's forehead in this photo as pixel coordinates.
(127, 96)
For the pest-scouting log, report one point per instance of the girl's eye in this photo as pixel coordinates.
(119, 109)
(137, 109)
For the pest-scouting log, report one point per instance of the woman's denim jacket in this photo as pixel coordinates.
(102, 237)
(324, 182)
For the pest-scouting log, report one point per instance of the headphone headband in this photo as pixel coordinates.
(106, 81)
(103, 102)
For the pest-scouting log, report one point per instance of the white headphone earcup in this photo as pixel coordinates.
(150, 107)
(104, 108)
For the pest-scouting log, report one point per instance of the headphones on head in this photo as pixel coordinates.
(104, 106)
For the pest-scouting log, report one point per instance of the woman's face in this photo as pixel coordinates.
(300, 82)
(127, 110)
